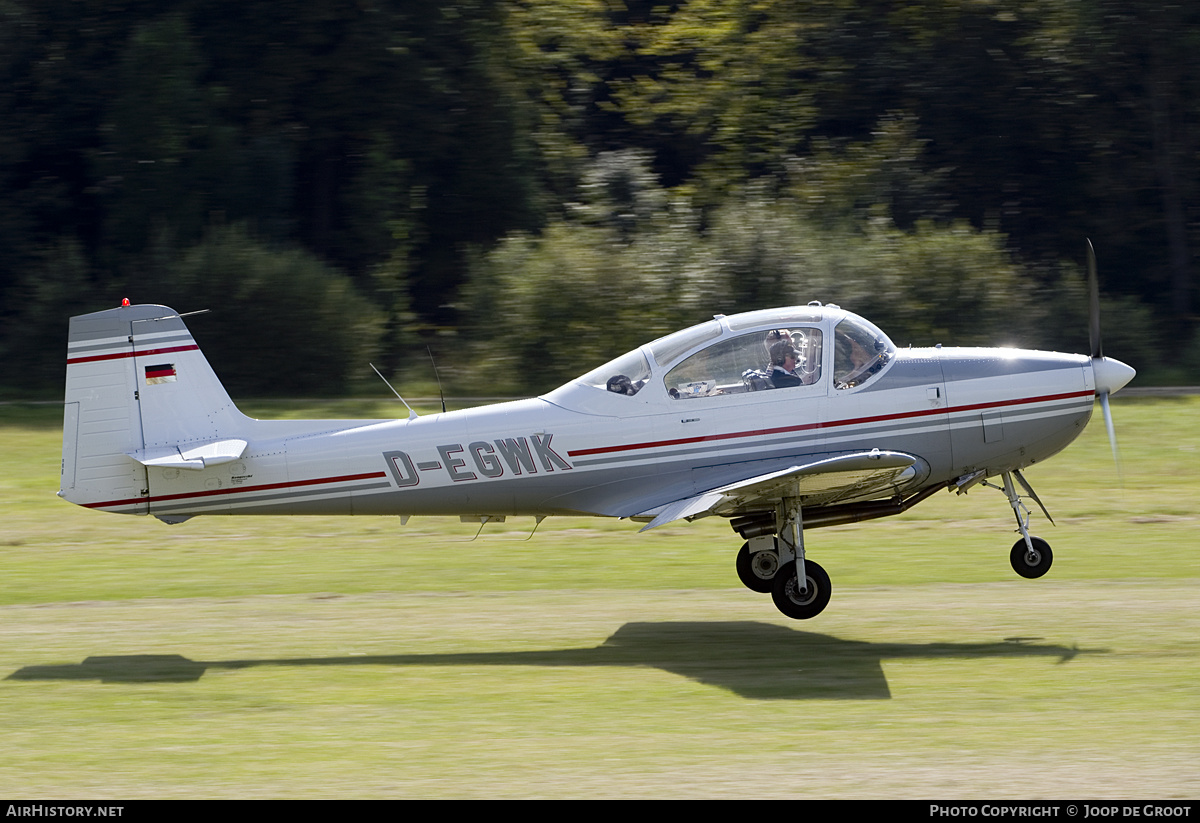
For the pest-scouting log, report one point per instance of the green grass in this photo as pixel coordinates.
(324, 657)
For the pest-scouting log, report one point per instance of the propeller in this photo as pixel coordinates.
(1110, 375)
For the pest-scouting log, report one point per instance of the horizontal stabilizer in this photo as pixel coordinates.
(194, 457)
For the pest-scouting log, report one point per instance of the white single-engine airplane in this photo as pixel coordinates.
(780, 420)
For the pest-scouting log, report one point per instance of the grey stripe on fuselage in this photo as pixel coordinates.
(117, 343)
(1017, 414)
(790, 441)
(250, 498)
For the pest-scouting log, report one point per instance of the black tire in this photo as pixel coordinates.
(757, 571)
(1031, 566)
(796, 603)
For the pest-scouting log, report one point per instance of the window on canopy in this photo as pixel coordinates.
(860, 352)
(749, 362)
(628, 373)
(625, 375)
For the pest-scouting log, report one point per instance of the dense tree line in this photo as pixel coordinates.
(531, 186)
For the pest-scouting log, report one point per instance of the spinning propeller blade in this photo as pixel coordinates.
(1112, 433)
(1110, 375)
(1093, 304)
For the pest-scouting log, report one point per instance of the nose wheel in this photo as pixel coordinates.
(1033, 559)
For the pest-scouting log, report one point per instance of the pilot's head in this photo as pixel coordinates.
(781, 352)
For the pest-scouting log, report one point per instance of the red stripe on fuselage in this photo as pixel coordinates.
(119, 355)
(240, 489)
(856, 421)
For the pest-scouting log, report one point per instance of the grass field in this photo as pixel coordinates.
(323, 657)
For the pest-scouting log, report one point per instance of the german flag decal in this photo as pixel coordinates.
(163, 373)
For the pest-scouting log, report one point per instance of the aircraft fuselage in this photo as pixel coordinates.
(582, 451)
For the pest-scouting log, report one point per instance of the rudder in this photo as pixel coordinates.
(139, 392)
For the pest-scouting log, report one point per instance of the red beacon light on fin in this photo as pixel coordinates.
(124, 301)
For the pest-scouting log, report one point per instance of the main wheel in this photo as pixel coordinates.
(796, 602)
(1031, 564)
(757, 570)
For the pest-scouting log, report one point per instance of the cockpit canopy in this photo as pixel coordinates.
(861, 351)
(805, 348)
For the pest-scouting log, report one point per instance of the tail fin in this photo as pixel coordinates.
(139, 393)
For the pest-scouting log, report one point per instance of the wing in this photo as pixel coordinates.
(856, 476)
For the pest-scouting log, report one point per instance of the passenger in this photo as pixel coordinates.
(621, 384)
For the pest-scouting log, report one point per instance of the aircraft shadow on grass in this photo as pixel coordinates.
(755, 660)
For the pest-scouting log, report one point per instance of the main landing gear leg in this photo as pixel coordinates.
(1030, 556)
(796, 600)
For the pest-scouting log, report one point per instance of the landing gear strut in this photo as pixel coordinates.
(1030, 556)
(775, 563)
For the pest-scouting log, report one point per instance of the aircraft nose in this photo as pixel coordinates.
(1110, 375)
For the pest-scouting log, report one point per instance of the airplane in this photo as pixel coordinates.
(710, 420)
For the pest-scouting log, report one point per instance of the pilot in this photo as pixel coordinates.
(776, 335)
(774, 338)
(783, 365)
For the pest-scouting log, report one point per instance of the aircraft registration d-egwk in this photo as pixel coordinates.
(780, 420)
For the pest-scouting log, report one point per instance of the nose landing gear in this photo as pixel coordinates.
(1030, 556)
